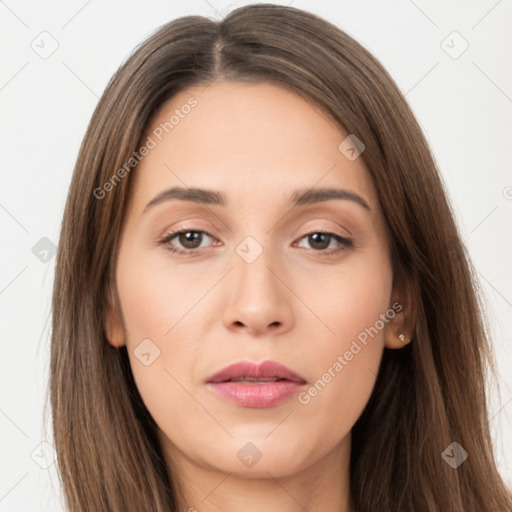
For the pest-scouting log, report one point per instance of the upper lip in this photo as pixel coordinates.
(266, 369)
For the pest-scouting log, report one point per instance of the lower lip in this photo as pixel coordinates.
(257, 395)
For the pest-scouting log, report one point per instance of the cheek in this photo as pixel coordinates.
(154, 297)
(157, 308)
(348, 298)
(354, 307)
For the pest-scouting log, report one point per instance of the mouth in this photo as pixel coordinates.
(247, 371)
(248, 384)
(259, 380)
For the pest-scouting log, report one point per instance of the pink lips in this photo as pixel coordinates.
(256, 385)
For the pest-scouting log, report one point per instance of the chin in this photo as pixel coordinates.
(252, 456)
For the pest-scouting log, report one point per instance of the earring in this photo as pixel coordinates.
(402, 338)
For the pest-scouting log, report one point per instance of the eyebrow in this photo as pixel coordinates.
(216, 197)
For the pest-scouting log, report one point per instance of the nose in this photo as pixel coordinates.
(261, 302)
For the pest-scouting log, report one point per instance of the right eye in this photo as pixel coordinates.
(188, 238)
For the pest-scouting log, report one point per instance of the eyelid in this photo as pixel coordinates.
(343, 240)
(345, 243)
(312, 230)
(170, 234)
(330, 231)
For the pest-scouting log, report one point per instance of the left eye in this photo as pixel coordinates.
(190, 239)
(318, 240)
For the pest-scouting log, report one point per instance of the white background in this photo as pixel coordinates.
(464, 105)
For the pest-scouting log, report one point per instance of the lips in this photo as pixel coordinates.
(247, 384)
(247, 371)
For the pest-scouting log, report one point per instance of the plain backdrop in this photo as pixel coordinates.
(451, 60)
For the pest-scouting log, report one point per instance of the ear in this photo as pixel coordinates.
(114, 329)
(399, 331)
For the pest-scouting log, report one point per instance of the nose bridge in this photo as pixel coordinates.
(259, 298)
(254, 262)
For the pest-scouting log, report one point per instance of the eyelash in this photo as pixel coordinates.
(345, 242)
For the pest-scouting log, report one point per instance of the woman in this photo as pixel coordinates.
(261, 297)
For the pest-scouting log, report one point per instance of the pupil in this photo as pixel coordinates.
(185, 239)
(315, 236)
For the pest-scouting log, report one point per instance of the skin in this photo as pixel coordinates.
(257, 143)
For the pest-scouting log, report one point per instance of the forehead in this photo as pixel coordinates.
(251, 140)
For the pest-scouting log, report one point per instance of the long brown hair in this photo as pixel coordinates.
(427, 395)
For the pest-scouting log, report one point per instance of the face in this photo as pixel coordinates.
(256, 275)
